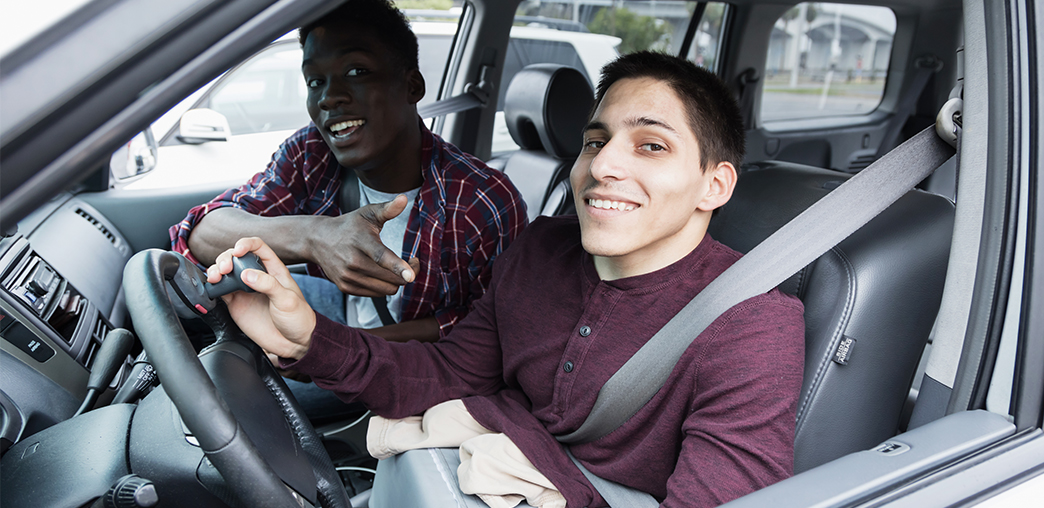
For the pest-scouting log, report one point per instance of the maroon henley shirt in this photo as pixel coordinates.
(531, 356)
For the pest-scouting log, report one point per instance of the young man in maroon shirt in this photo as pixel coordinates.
(575, 297)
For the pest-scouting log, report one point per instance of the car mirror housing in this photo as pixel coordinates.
(202, 125)
(136, 157)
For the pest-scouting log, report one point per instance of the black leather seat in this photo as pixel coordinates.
(875, 295)
(546, 108)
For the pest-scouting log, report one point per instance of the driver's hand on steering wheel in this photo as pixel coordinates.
(276, 317)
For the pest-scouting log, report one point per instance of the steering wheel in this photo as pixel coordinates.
(247, 473)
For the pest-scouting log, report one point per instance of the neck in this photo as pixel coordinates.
(400, 170)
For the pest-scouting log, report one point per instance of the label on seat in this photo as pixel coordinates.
(844, 350)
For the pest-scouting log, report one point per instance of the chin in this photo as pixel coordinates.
(604, 244)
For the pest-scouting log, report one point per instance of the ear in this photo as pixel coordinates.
(414, 85)
(721, 183)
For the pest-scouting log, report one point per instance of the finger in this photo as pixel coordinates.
(367, 286)
(388, 260)
(377, 261)
(415, 266)
(222, 265)
(280, 297)
(269, 259)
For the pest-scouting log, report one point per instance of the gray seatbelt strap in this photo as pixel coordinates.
(476, 95)
(350, 202)
(618, 496)
(455, 104)
(820, 227)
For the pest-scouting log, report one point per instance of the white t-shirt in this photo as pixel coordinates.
(360, 312)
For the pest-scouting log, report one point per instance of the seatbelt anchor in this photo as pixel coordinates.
(948, 123)
(929, 61)
(482, 90)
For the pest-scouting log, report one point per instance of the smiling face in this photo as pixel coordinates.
(360, 98)
(642, 200)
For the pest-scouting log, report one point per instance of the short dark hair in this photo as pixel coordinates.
(714, 116)
(378, 16)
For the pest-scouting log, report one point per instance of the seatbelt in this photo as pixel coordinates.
(798, 243)
(350, 202)
(476, 95)
(618, 496)
(927, 65)
(801, 241)
(747, 83)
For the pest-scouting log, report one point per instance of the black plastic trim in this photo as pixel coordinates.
(1028, 393)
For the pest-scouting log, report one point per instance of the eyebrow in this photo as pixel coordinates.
(309, 61)
(641, 121)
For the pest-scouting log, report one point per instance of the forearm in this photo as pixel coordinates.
(422, 330)
(287, 235)
(394, 380)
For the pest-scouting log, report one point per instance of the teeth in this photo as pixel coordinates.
(345, 125)
(606, 204)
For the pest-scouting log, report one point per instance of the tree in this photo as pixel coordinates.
(637, 32)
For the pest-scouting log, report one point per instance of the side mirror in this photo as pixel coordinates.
(202, 125)
(136, 157)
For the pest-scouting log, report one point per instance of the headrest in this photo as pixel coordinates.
(546, 108)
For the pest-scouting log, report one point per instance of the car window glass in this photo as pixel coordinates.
(706, 42)
(522, 52)
(267, 94)
(587, 35)
(263, 100)
(827, 60)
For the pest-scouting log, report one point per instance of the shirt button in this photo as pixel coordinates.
(568, 367)
(585, 331)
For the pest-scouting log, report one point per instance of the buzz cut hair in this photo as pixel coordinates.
(378, 17)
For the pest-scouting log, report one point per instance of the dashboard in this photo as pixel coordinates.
(61, 274)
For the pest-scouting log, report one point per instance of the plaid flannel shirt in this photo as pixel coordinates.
(465, 215)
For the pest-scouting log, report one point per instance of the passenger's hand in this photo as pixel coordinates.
(349, 250)
(276, 317)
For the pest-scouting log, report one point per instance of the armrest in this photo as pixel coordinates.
(861, 474)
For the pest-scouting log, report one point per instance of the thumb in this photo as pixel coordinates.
(384, 212)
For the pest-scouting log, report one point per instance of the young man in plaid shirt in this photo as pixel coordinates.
(443, 210)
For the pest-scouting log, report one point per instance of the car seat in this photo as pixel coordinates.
(870, 303)
(546, 109)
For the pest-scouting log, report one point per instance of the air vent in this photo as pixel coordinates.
(97, 224)
(92, 350)
(101, 329)
(860, 162)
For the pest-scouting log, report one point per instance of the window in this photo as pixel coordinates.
(267, 94)
(827, 60)
(263, 101)
(705, 49)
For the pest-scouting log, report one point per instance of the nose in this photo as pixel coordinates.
(609, 162)
(333, 95)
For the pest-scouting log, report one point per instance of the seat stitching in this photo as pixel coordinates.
(842, 323)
